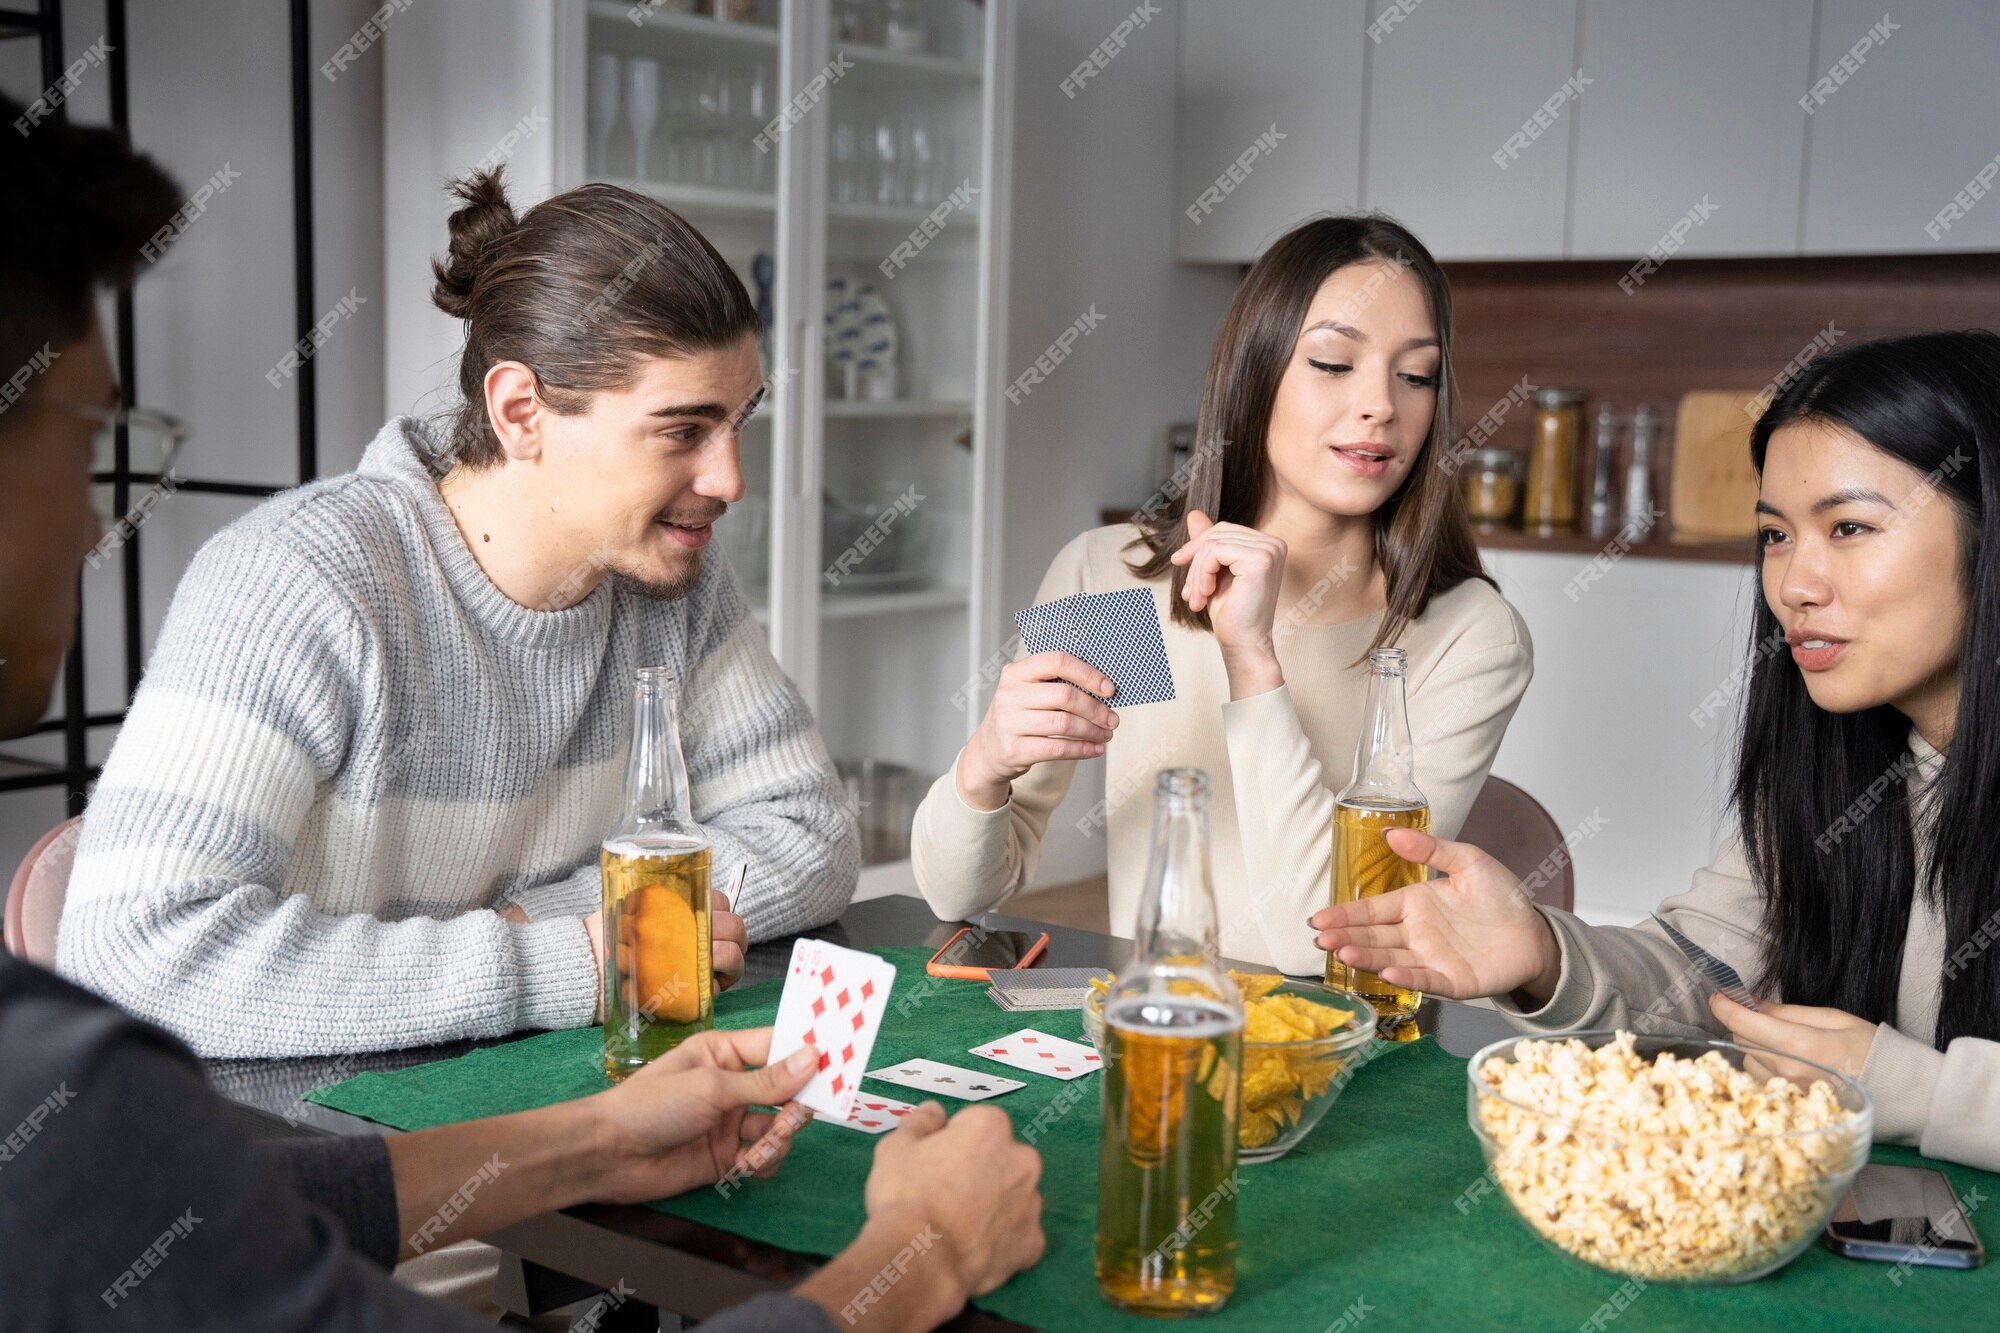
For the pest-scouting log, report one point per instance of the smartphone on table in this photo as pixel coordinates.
(975, 951)
(1903, 1215)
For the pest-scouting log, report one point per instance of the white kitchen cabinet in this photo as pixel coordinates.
(1625, 733)
(1454, 83)
(1693, 102)
(1910, 124)
(868, 543)
(1294, 66)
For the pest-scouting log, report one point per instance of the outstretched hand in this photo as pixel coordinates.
(1474, 932)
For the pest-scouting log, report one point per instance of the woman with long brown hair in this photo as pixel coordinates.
(1318, 519)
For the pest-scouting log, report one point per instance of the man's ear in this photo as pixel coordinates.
(514, 410)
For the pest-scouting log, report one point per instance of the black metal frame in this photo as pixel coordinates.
(76, 772)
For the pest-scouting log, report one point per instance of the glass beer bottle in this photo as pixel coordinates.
(658, 983)
(1173, 1056)
(1382, 796)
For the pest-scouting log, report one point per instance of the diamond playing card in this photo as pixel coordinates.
(1040, 1053)
(1718, 974)
(834, 999)
(875, 1115)
(1116, 632)
(943, 1080)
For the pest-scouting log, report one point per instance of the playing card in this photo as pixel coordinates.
(1714, 971)
(1116, 632)
(875, 1115)
(1042, 987)
(1040, 1053)
(834, 999)
(943, 1080)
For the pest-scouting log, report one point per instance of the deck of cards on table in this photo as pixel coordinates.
(834, 1000)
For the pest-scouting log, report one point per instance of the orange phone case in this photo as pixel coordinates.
(962, 972)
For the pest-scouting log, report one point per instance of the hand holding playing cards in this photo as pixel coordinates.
(1234, 573)
(1035, 717)
(686, 1118)
(971, 1180)
(1471, 934)
(1832, 1037)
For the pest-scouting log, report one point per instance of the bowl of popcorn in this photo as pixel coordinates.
(1668, 1159)
(1301, 1044)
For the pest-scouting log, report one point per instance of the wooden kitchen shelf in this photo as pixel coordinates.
(1662, 547)
(1739, 552)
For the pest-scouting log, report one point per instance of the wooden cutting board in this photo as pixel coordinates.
(1714, 488)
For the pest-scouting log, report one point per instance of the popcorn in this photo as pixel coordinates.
(1672, 1169)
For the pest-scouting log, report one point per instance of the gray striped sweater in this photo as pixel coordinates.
(350, 749)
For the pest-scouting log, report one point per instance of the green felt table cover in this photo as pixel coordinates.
(1365, 1218)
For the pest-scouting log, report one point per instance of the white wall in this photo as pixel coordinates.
(209, 84)
(1606, 727)
(1093, 224)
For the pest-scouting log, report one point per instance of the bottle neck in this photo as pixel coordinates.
(1177, 917)
(656, 780)
(1385, 758)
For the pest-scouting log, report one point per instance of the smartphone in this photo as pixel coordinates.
(974, 951)
(1903, 1215)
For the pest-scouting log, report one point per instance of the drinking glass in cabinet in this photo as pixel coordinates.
(858, 21)
(847, 159)
(906, 27)
(603, 109)
(888, 183)
(642, 106)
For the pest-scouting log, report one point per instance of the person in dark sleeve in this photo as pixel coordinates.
(130, 1200)
(127, 1196)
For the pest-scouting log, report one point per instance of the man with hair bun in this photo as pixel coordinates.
(358, 801)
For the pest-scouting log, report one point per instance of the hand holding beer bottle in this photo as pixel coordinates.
(1382, 796)
(1474, 932)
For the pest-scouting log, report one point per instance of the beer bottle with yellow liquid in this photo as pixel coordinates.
(1382, 796)
(658, 983)
(1173, 1056)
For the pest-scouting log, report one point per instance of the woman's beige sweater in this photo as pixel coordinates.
(1275, 760)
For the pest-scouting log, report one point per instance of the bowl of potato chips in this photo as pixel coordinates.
(1301, 1043)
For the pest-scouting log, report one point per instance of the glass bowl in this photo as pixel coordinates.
(1693, 1209)
(1287, 1085)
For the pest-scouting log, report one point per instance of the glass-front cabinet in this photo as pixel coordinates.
(847, 158)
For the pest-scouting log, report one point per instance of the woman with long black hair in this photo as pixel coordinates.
(1863, 888)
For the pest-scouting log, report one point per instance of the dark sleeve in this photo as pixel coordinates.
(349, 1176)
(147, 1207)
(772, 1312)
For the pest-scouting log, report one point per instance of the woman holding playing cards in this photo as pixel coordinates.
(1317, 518)
(1863, 889)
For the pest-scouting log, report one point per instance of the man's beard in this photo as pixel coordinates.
(667, 590)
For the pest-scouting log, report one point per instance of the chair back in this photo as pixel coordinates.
(1513, 828)
(35, 898)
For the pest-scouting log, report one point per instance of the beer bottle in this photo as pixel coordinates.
(1382, 796)
(658, 983)
(1173, 1058)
